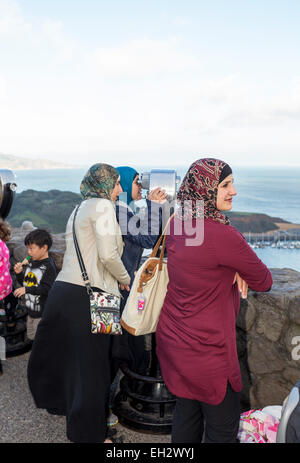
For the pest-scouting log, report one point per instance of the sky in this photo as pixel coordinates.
(162, 82)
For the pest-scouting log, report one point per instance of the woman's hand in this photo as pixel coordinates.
(242, 285)
(158, 195)
(122, 287)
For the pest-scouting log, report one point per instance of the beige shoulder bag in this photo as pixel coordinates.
(147, 294)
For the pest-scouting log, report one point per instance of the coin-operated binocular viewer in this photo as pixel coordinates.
(144, 402)
(8, 187)
(165, 179)
(13, 322)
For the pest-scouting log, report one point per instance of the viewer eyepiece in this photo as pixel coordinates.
(8, 187)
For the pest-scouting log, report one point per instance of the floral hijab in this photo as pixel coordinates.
(99, 181)
(199, 190)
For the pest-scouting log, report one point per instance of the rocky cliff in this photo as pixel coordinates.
(268, 336)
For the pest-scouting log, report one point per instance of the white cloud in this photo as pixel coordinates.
(181, 21)
(53, 35)
(148, 97)
(3, 88)
(143, 57)
(12, 22)
(53, 30)
(156, 120)
(36, 40)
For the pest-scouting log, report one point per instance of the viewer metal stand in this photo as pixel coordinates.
(13, 327)
(13, 323)
(144, 402)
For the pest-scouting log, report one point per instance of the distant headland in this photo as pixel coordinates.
(252, 222)
(11, 162)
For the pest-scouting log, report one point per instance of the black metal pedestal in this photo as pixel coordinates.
(13, 327)
(144, 402)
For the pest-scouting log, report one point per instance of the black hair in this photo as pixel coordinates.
(225, 172)
(39, 237)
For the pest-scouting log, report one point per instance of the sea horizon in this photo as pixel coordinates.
(274, 191)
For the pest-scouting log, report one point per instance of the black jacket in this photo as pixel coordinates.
(37, 278)
(138, 234)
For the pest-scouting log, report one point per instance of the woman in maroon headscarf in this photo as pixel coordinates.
(196, 337)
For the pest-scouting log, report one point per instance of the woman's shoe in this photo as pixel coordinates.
(54, 411)
(111, 432)
(116, 440)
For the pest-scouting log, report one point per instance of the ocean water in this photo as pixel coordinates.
(280, 258)
(272, 191)
(49, 179)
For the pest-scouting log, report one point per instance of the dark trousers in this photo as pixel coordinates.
(221, 422)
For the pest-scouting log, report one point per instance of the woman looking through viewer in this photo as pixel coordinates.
(69, 367)
(196, 337)
(138, 234)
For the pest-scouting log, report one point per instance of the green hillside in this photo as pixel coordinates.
(251, 222)
(45, 209)
(51, 210)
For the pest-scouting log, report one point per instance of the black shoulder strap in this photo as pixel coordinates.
(80, 259)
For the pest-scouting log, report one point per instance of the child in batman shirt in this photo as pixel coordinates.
(37, 277)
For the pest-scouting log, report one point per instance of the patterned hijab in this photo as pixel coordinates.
(99, 181)
(201, 184)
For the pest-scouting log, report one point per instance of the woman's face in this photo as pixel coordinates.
(226, 191)
(116, 191)
(136, 192)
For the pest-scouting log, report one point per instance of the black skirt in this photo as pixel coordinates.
(69, 367)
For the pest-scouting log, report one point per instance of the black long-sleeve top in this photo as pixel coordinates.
(37, 278)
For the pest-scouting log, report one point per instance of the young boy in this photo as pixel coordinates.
(37, 277)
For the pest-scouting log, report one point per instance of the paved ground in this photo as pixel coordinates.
(22, 422)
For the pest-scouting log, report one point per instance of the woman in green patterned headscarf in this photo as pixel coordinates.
(66, 335)
(99, 181)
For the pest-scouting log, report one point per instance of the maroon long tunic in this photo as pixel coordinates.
(196, 335)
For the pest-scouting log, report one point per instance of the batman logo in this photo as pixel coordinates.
(30, 279)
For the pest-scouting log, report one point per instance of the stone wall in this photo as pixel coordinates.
(266, 327)
(18, 251)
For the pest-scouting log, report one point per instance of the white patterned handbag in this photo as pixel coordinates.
(104, 307)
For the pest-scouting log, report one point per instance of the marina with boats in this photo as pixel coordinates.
(280, 239)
